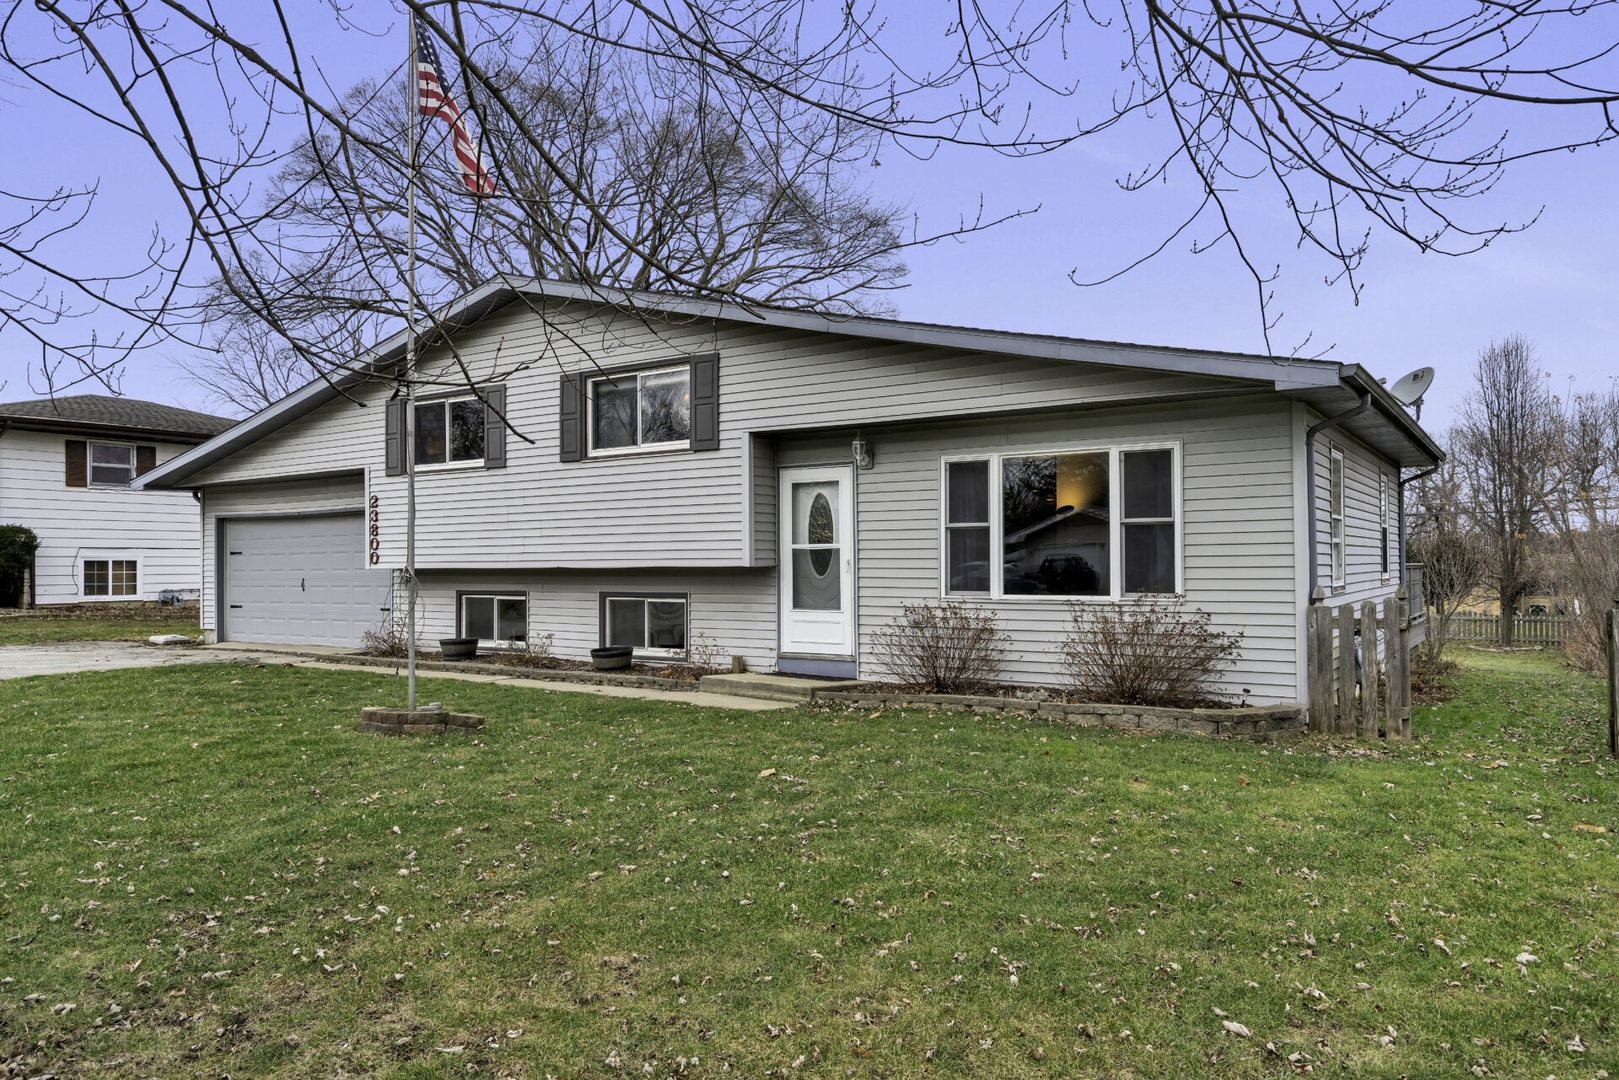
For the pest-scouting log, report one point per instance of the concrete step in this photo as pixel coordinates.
(775, 687)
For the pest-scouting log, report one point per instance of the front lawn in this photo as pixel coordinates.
(95, 622)
(204, 871)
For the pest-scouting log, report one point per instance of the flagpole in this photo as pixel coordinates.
(411, 124)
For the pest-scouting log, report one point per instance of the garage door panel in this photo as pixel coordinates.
(301, 580)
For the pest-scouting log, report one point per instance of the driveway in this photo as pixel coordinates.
(61, 658)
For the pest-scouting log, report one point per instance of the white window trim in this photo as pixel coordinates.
(1337, 528)
(661, 654)
(1385, 534)
(90, 465)
(140, 576)
(496, 594)
(639, 447)
(1115, 521)
(443, 466)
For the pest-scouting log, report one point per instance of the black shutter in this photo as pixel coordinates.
(705, 402)
(145, 459)
(396, 431)
(77, 473)
(494, 427)
(570, 417)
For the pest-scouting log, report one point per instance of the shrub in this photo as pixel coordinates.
(947, 648)
(390, 640)
(17, 546)
(1146, 652)
(705, 655)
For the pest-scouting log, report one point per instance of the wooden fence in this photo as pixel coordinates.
(1346, 695)
(1526, 629)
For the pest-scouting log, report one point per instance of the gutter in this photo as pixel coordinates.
(1309, 477)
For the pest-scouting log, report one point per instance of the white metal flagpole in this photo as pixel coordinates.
(411, 124)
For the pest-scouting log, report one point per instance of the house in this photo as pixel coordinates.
(782, 482)
(65, 469)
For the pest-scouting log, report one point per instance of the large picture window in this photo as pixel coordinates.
(641, 410)
(651, 625)
(110, 577)
(111, 464)
(1100, 522)
(495, 619)
(450, 432)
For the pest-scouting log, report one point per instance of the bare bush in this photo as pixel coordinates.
(946, 648)
(389, 641)
(1146, 652)
(705, 654)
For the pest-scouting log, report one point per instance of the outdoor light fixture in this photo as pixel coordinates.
(862, 454)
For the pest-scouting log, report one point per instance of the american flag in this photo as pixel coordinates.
(433, 100)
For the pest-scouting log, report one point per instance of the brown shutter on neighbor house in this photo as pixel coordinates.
(705, 402)
(77, 474)
(571, 417)
(394, 435)
(145, 459)
(494, 427)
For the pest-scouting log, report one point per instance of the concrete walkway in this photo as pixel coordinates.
(61, 658)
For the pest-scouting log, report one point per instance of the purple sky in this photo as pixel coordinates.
(1556, 284)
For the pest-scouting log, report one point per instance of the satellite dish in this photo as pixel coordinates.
(1409, 390)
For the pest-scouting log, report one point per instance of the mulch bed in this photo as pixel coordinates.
(1033, 695)
(679, 672)
(147, 610)
(1426, 688)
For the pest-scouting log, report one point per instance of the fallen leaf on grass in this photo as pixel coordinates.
(1582, 827)
(1236, 1028)
(766, 772)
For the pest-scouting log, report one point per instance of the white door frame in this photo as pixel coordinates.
(818, 633)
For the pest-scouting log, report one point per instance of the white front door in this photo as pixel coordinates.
(817, 561)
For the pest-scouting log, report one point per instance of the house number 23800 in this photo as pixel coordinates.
(375, 542)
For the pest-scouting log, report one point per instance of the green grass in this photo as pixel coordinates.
(54, 624)
(600, 887)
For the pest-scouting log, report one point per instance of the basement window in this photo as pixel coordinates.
(495, 618)
(651, 624)
(109, 577)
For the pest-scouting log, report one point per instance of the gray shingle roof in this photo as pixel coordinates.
(117, 412)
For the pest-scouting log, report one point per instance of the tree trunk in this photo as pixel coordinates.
(1508, 595)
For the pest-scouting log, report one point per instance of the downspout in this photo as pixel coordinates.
(1400, 492)
(1309, 476)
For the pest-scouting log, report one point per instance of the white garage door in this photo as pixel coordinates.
(300, 580)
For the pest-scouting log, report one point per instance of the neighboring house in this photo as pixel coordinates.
(783, 482)
(65, 469)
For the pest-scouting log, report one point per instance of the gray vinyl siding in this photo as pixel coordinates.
(158, 529)
(685, 509)
(1238, 525)
(282, 497)
(734, 609)
(1363, 573)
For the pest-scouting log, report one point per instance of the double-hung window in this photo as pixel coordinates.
(651, 625)
(641, 410)
(1383, 521)
(1101, 522)
(109, 577)
(495, 619)
(1336, 509)
(449, 431)
(111, 464)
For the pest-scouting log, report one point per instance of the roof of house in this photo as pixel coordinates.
(102, 414)
(1328, 387)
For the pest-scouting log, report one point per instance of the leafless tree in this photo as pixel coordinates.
(1504, 445)
(1581, 511)
(1452, 553)
(698, 198)
(1357, 117)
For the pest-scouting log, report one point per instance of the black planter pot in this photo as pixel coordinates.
(458, 648)
(615, 658)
